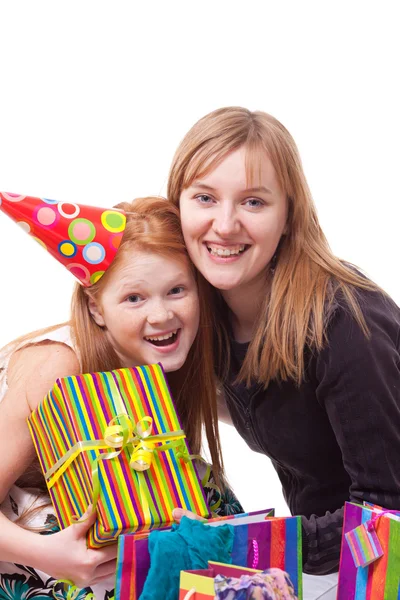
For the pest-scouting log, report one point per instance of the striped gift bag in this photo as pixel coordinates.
(200, 585)
(260, 542)
(114, 439)
(369, 564)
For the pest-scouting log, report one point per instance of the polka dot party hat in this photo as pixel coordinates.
(85, 239)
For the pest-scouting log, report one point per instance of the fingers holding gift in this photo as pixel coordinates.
(105, 554)
(64, 555)
(104, 571)
(178, 513)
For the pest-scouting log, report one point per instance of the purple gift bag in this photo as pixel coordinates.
(260, 542)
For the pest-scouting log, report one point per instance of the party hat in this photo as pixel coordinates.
(85, 239)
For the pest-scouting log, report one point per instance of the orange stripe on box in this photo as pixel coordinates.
(378, 568)
(278, 539)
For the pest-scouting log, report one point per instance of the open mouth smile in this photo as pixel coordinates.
(226, 252)
(167, 340)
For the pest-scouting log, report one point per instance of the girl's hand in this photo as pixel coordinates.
(178, 513)
(64, 555)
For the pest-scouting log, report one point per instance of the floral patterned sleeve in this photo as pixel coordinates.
(229, 504)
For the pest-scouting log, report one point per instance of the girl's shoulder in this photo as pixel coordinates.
(36, 368)
(376, 307)
(33, 366)
(377, 331)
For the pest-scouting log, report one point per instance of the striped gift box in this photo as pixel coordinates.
(79, 423)
(364, 544)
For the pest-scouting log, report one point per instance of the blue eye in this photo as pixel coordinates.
(254, 203)
(176, 290)
(134, 298)
(204, 199)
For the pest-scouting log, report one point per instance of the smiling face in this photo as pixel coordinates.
(232, 230)
(150, 310)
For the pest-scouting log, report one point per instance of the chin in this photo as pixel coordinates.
(171, 365)
(223, 285)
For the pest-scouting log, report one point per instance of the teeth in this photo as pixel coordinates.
(226, 251)
(158, 338)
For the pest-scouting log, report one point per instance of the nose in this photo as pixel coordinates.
(159, 313)
(226, 220)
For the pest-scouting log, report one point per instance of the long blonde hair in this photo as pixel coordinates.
(307, 278)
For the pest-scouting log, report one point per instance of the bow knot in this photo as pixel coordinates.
(122, 433)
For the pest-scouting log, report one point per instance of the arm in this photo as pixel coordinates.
(358, 385)
(32, 372)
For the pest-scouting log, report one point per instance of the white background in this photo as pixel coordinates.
(95, 97)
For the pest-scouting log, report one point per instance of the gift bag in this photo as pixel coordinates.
(200, 585)
(370, 554)
(260, 542)
(114, 439)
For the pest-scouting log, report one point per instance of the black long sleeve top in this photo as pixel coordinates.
(336, 437)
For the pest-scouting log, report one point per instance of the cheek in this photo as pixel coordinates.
(193, 221)
(128, 322)
(191, 312)
(269, 231)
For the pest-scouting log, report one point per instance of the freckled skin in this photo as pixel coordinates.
(149, 295)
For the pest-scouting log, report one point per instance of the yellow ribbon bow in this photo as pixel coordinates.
(120, 434)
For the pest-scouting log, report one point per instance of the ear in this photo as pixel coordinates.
(96, 313)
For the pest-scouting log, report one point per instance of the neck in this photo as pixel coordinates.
(245, 304)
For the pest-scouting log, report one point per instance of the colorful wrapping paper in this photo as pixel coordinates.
(81, 408)
(260, 542)
(364, 544)
(278, 544)
(381, 579)
(203, 580)
(201, 584)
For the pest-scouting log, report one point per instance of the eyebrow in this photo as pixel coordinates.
(131, 284)
(252, 190)
(181, 277)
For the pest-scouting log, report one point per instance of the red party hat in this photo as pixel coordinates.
(85, 239)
